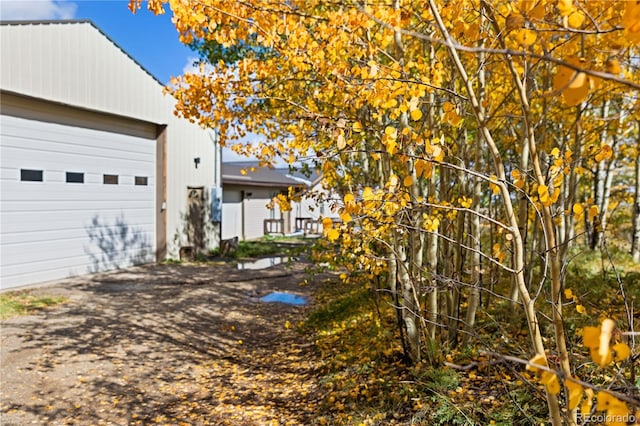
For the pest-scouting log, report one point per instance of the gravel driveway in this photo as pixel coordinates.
(162, 344)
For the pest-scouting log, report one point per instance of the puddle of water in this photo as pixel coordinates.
(288, 298)
(264, 263)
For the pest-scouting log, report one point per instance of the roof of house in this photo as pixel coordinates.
(248, 173)
(309, 177)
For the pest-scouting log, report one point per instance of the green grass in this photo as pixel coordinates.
(24, 302)
(269, 246)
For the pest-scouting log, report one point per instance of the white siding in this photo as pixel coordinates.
(187, 142)
(256, 211)
(231, 214)
(250, 209)
(54, 229)
(74, 63)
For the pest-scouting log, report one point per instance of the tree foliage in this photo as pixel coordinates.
(472, 142)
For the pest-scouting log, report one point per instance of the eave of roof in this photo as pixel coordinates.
(232, 173)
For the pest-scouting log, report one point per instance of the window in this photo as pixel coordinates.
(141, 181)
(110, 179)
(74, 177)
(29, 175)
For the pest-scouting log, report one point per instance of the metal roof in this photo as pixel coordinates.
(232, 173)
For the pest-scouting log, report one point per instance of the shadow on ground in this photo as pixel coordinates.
(165, 344)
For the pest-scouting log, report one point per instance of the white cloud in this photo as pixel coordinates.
(192, 66)
(11, 10)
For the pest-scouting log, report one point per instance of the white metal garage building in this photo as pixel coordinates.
(96, 173)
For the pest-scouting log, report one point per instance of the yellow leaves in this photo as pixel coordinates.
(575, 19)
(345, 216)
(604, 153)
(390, 139)
(430, 223)
(565, 7)
(408, 181)
(349, 199)
(357, 127)
(591, 337)
(498, 253)
(543, 194)
(568, 293)
(548, 378)
(514, 21)
(579, 307)
(614, 408)
(283, 202)
(573, 85)
(551, 382)
(437, 153)
(154, 6)
(450, 115)
(534, 9)
(593, 212)
(538, 359)
(612, 66)
(621, 351)
(578, 209)
(598, 340)
(493, 184)
(575, 391)
(465, 202)
(518, 178)
(423, 168)
(327, 223)
(631, 21)
(333, 234)
(416, 114)
(548, 198)
(524, 37)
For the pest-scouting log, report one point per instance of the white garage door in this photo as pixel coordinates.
(72, 201)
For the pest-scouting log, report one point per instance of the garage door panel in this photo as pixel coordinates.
(67, 139)
(109, 244)
(71, 233)
(68, 205)
(104, 155)
(25, 222)
(86, 196)
(54, 229)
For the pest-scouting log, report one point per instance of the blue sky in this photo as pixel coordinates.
(151, 40)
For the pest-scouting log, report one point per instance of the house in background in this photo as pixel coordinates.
(248, 211)
(96, 173)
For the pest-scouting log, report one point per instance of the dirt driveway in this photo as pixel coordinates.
(164, 344)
